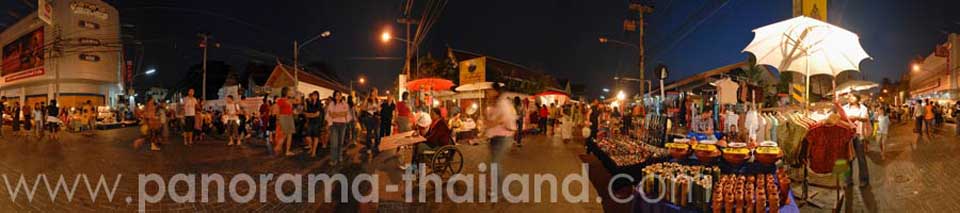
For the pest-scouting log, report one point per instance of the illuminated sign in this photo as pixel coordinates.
(84, 8)
(473, 71)
(23, 58)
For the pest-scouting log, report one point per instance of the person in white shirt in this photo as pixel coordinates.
(502, 125)
(883, 126)
(857, 114)
(189, 115)
(231, 118)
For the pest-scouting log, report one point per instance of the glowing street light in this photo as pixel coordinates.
(362, 80)
(916, 67)
(621, 95)
(150, 71)
(385, 37)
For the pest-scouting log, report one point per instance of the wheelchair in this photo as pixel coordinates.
(445, 161)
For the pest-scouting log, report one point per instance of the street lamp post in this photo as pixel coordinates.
(642, 82)
(148, 72)
(642, 79)
(362, 80)
(203, 45)
(296, 54)
(386, 37)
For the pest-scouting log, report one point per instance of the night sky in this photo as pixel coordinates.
(559, 36)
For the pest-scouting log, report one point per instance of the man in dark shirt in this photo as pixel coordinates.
(386, 117)
(53, 111)
(438, 135)
(594, 123)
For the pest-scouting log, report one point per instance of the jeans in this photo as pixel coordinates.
(929, 124)
(957, 123)
(351, 133)
(373, 135)
(918, 125)
(543, 126)
(861, 157)
(498, 147)
(385, 128)
(417, 152)
(338, 134)
(519, 136)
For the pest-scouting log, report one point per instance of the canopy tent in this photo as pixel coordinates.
(807, 45)
(550, 96)
(429, 84)
(474, 86)
(853, 86)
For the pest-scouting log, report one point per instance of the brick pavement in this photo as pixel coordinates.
(110, 153)
(921, 178)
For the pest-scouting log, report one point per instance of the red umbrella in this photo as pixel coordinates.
(429, 84)
(552, 92)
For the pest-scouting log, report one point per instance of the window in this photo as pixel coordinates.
(89, 25)
(88, 41)
(89, 57)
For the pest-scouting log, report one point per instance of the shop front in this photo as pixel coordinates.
(85, 68)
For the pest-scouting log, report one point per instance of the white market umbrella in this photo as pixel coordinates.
(475, 86)
(853, 86)
(808, 46)
(479, 86)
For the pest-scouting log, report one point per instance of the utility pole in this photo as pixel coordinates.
(408, 51)
(203, 44)
(638, 25)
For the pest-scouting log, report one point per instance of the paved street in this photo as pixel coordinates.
(909, 180)
(923, 179)
(110, 153)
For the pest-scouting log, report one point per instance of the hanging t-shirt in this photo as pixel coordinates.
(752, 124)
(727, 91)
(732, 119)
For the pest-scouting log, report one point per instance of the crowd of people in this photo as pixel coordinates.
(38, 121)
(333, 124)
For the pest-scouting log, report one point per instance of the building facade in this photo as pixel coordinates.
(937, 76)
(69, 51)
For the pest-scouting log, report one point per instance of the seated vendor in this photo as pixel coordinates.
(438, 135)
(705, 126)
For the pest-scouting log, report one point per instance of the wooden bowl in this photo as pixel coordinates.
(768, 155)
(736, 156)
(706, 153)
(679, 151)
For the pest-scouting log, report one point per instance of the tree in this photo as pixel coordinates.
(428, 66)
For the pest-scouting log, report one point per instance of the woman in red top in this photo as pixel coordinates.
(403, 114)
(544, 115)
(285, 119)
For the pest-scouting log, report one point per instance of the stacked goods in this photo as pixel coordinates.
(751, 193)
(684, 186)
(626, 152)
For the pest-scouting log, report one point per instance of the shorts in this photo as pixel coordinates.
(188, 124)
(154, 134)
(313, 127)
(231, 128)
(286, 124)
(53, 126)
